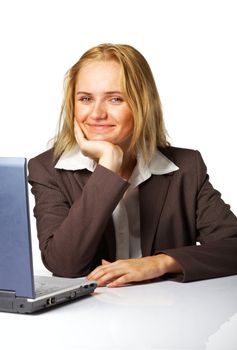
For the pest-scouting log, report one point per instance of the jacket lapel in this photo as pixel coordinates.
(152, 196)
(82, 176)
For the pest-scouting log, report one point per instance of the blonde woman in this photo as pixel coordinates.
(113, 200)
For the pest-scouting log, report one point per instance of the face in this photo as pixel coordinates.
(100, 108)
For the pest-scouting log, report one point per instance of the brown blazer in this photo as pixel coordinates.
(75, 227)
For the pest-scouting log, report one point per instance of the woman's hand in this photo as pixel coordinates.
(104, 153)
(123, 272)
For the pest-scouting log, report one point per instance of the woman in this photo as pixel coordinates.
(114, 201)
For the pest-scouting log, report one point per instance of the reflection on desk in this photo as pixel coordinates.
(160, 315)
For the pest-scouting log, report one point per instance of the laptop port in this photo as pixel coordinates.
(73, 294)
(50, 301)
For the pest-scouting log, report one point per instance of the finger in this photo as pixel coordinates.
(106, 273)
(78, 132)
(94, 272)
(118, 268)
(105, 262)
(120, 281)
(106, 278)
(99, 271)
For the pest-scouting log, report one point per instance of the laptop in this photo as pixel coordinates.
(20, 290)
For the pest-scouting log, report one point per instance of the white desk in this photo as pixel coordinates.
(161, 315)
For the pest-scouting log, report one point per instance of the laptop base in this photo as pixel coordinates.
(9, 302)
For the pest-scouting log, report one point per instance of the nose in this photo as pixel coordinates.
(98, 111)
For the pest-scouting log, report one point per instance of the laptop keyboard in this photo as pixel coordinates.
(47, 285)
(42, 288)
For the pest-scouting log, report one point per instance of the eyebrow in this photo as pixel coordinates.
(106, 93)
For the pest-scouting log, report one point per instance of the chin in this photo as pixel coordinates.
(98, 137)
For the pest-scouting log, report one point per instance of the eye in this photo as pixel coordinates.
(116, 99)
(84, 99)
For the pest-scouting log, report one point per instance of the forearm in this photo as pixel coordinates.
(69, 236)
(168, 264)
(209, 260)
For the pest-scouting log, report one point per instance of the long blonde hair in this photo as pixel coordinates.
(139, 89)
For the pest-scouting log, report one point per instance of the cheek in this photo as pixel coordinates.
(128, 123)
(79, 115)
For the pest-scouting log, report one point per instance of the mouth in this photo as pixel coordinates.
(100, 127)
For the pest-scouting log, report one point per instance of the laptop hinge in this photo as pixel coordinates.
(7, 300)
(8, 294)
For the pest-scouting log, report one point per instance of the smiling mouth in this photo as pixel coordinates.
(100, 126)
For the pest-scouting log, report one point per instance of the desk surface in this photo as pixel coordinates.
(160, 315)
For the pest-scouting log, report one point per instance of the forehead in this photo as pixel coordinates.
(99, 73)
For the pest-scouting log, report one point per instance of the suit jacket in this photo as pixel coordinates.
(74, 217)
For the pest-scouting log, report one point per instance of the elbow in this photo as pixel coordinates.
(64, 267)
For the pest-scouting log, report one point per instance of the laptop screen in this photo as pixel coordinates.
(16, 267)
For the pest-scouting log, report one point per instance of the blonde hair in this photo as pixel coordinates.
(140, 92)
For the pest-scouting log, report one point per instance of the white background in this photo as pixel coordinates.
(191, 46)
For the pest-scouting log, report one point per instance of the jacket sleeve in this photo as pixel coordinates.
(69, 233)
(216, 228)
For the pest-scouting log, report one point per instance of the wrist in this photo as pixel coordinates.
(170, 265)
(112, 159)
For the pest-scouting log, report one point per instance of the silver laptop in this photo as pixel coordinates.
(20, 290)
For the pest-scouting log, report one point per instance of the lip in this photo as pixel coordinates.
(100, 126)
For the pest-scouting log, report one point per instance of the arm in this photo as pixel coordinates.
(213, 224)
(71, 219)
(69, 230)
(216, 228)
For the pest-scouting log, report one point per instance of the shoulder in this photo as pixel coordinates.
(42, 164)
(177, 153)
(190, 163)
(44, 158)
(184, 158)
